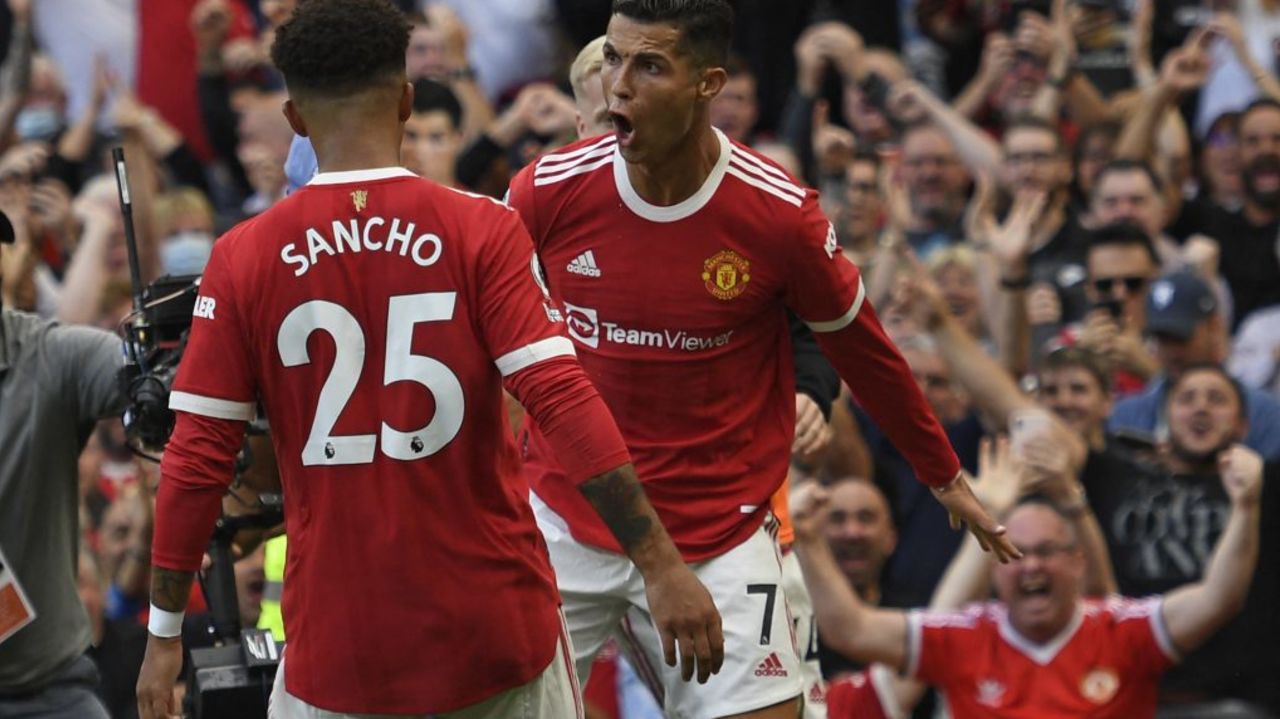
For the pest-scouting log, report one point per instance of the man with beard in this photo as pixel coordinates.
(1187, 329)
(1041, 648)
(1161, 520)
(1250, 256)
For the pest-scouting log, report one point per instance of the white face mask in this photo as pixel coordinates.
(186, 253)
(38, 123)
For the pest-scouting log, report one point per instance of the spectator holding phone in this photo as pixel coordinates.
(1120, 263)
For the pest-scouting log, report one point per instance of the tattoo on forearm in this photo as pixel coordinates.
(616, 496)
(170, 589)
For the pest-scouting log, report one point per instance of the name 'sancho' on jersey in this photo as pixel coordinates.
(585, 326)
(372, 234)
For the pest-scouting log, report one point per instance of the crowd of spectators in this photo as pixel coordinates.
(1067, 215)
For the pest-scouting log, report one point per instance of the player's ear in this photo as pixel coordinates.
(712, 82)
(294, 117)
(406, 101)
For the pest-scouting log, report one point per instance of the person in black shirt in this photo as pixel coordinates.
(1250, 260)
(1162, 515)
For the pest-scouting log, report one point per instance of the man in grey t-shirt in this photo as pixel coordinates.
(56, 381)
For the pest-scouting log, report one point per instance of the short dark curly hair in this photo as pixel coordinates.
(706, 26)
(336, 48)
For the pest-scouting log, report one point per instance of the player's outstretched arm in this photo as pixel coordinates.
(846, 624)
(1193, 613)
(682, 609)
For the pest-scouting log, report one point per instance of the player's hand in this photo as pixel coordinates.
(965, 508)
(812, 431)
(687, 621)
(156, 680)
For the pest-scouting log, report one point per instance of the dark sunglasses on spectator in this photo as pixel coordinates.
(1106, 284)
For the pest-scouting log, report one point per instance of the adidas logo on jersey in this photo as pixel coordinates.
(771, 667)
(584, 264)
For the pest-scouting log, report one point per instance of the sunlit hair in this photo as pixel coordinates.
(587, 64)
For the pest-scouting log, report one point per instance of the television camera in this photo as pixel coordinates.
(233, 678)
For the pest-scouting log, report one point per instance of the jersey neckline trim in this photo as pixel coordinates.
(349, 176)
(680, 210)
(1041, 654)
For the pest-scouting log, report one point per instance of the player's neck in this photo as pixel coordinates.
(340, 152)
(675, 177)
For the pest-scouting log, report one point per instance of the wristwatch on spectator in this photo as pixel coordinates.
(466, 72)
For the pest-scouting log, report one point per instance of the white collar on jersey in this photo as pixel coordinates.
(678, 211)
(369, 175)
(1041, 654)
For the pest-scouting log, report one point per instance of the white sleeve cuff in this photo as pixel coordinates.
(845, 319)
(531, 354)
(212, 406)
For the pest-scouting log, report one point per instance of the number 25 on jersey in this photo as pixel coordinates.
(404, 313)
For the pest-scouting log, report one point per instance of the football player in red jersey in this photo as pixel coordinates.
(1042, 648)
(675, 253)
(377, 317)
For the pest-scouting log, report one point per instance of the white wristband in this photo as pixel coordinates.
(163, 624)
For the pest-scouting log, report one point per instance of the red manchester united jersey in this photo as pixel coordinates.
(678, 315)
(375, 315)
(1105, 665)
(863, 695)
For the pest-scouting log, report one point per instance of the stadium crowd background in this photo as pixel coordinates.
(1085, 196)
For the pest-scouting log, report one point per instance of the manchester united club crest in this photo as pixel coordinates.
(360, 199)
(1100, 685)
(726, 274)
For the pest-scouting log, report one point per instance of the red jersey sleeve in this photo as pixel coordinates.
(936, 640)
(215, 378)
(525, 334)
(518, 322)
(825, 289)
(214, 395)
(1139, 633)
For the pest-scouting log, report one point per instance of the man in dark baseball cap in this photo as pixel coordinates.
(1177, 304)
(1187, 329)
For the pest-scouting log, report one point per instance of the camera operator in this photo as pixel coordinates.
(56, 381)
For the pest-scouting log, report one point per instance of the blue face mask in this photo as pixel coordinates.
(186, 253)
(38, 123)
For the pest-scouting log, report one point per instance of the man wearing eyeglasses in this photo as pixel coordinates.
(1042, 648)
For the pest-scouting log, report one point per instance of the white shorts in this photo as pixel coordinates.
(553, 694)
(815, 689)
(603, 594)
